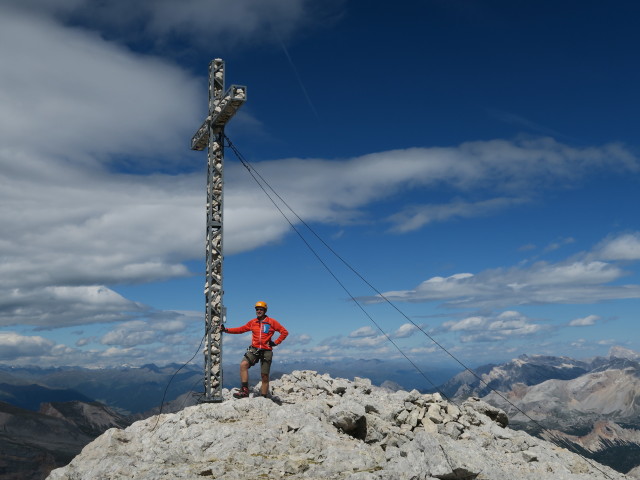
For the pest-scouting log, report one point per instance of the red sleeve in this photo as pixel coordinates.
(283, 332)
(242, 329)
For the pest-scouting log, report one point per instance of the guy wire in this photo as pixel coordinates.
(173, 376)
(257, 175)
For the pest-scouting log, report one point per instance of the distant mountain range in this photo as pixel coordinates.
(47, 415)
(136, 390)
(78, 404)
(127, 390)
(591, 406)
(33, 443)
(31, 396)
(525, 370)
(607, 392)
(318, 427)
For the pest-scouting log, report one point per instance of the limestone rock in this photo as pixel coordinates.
(349, 416)
(492, 412)
(317, 427)
(634, 473)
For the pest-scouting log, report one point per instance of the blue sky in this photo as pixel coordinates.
(476, 162)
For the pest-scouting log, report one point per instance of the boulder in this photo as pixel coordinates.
(318, 427)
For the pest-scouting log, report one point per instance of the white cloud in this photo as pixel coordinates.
(622, 247)
(79, 109)
(128, 338)
(417, 216)
(321, 349)
(301, 339)
(559, 244)
(570, 273)
(366, 331)
(14, 345)
(343, 344)
(71, 102)
(422, 350)
(74, 222)
(504, 326)
(340, 192)
(241, 20)
(49, 307)
(69, 94)
(197, 22)
(573, 281)
(585, 321)
(466, 324)
(116, 353)
(405, 330)
(433, 288)
(374, 336)
(158, 328)
(21, 349)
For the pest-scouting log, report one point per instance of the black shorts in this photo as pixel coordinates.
(265, 356)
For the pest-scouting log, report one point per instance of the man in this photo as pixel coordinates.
(262, 329)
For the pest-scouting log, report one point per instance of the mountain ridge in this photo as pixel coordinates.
(32, 443)
(556, 366)
(528, 370)
(319, 427)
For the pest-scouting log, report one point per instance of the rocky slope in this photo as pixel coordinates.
(603, 435)
(621, 352)
(607, 443)
(128, 390)
(319, 427)
(634, 473)
(30, 396)
(89, 418)
(34, 443)
(610, 393)
(598, 413)
(527, 370)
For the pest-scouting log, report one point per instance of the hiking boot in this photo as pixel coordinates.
(242, 393)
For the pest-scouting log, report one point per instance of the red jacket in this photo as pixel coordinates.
(262, 331)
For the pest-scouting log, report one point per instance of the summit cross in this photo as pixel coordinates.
(222, 106)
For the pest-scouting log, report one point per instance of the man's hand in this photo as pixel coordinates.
(223, 329)
(272, 344)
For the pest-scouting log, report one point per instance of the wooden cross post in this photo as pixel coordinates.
(210, 135)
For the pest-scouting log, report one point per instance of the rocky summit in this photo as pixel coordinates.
(319, 427)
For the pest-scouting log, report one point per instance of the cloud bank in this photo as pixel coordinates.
(583, 279)
(98, 187)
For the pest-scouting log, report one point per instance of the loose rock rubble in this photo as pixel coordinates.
(318, 427)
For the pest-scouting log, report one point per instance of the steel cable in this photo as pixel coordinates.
(256, 175)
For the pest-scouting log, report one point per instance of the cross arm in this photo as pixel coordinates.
(222, 112)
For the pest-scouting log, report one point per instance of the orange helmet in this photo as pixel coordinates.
(262, 304)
